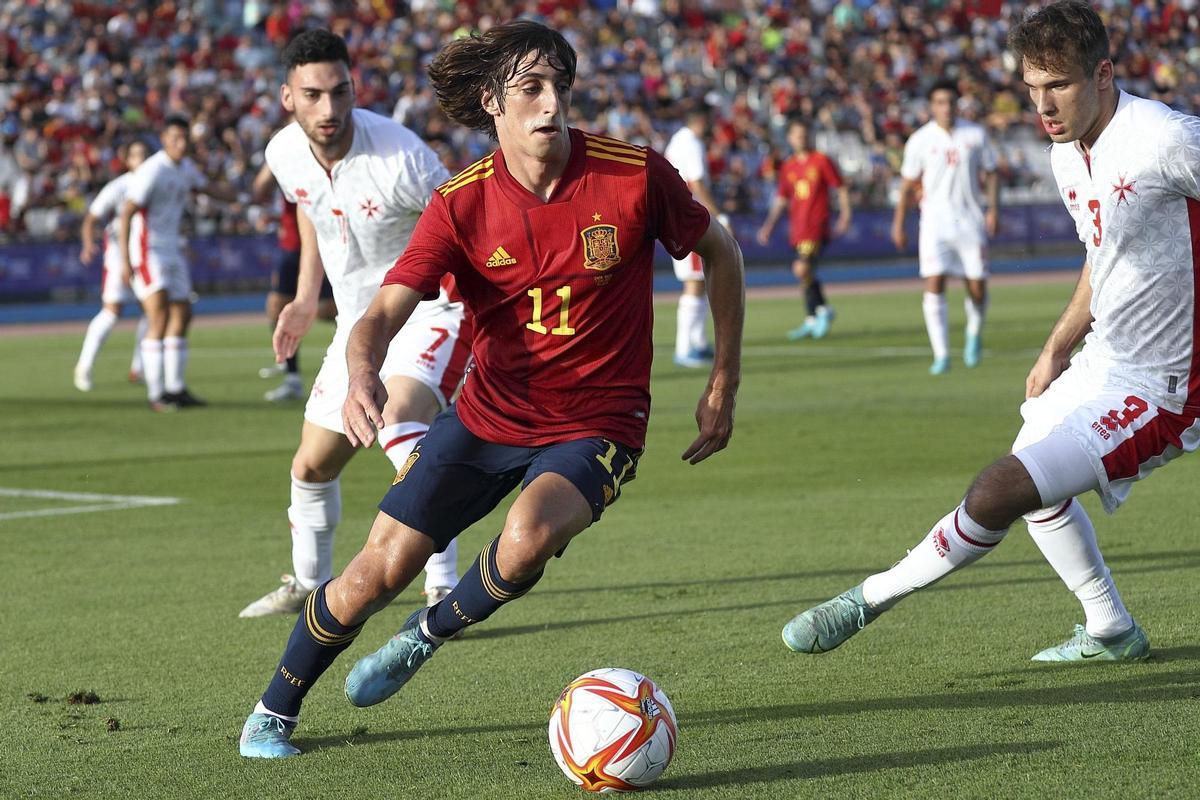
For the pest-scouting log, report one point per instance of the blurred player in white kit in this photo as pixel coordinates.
(359, 182)
(949, 160)
(151, 253)
(114, 291)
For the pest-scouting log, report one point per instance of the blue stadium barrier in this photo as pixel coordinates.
(46, 282)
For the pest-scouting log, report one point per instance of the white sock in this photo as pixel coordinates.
(691, 308)
(698, 338)
(261, 709)
(314, 513)
(135, 364)
(398, 441)
(934, 306)
(1067, 539)
(175, 353)
(956, 541)
(152, 367)
(97, 332)
(975, 314)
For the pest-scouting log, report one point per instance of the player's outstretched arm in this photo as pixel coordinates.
(1072, 326)
(362, 413)
(297, 316)
(725, 281)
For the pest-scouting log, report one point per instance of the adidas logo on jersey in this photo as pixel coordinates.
(500, 258)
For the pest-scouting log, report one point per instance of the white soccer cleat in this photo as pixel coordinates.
(292, 388)
(287, 599)
(436, 595)
(83, 378)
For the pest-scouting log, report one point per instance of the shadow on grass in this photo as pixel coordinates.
(1174, 559)
(1140, 688)
(836, 767)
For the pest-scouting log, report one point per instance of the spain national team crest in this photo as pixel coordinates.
(600, 247)
(412, 459)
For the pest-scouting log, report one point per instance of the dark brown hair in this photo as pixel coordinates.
(1060, 36)
(468, 68)
(314, 46)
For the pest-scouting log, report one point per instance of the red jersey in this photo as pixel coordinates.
(805, 183)
(561, 290)
(289, 229)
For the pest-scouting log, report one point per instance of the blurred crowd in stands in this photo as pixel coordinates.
(80, 80)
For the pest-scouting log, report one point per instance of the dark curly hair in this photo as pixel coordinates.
(1060, 36)
(314, 46)
(479, 64)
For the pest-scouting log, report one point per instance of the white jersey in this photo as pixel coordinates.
(685, 151)
(365, 209)
(948, 164)
(161, 188)
(1136, 207)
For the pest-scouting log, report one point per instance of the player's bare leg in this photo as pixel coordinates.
(933, 305)
(547, 514)
(975, 306)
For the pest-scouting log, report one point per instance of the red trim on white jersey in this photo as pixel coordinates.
(1167, 428)
(144, 248)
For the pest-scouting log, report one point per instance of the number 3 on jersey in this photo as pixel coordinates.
(1094, 207)
(563, 328)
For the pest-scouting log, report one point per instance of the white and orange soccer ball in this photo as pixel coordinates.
(612, 730)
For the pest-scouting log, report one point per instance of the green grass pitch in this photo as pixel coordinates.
(844, 453)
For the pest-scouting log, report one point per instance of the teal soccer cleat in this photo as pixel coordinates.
(803, 331)
(825, 317)
(1133, 645)
(824, 627)
(266, 736)
(940, 366)
(380, 675)
(973, 351)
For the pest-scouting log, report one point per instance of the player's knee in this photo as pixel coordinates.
(309, 470)
(525, 547)
(1001, 493)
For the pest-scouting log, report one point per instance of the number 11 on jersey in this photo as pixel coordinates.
(563, 328)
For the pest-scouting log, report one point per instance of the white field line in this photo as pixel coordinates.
(92, 502)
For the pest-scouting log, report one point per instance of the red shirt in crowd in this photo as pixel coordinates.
(805, 183)
(560, 290)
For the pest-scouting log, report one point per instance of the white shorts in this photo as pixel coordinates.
(964, 256)
(159, 270)
(690, 268)
(1123, 434)
(112, 288)
(433, 347)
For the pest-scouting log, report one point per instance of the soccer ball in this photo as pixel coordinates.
(612, 730)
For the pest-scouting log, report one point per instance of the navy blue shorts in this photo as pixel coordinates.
(286, 275)
(453, 478)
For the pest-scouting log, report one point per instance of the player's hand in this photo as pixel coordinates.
(362, 413)
(899, 237)
(126, 274)
(714, 418)
(763, 236)
(294, 321)
(1048, 367)
(843, 225)
(87, 252)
